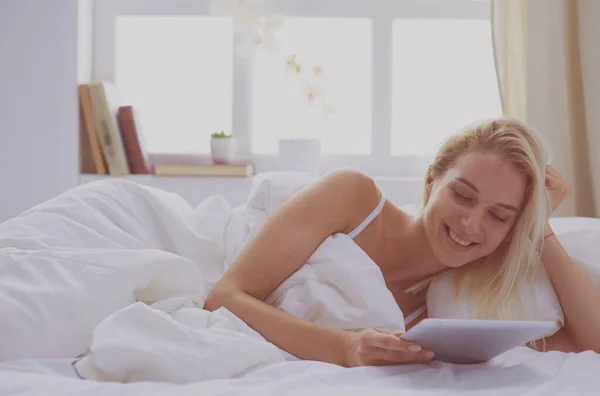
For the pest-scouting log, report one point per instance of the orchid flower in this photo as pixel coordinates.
(257, 29)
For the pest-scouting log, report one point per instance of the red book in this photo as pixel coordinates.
(137, 155)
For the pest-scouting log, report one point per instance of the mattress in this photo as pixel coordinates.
(520, 371)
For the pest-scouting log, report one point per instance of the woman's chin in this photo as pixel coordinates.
(453, 263)
(453, 259)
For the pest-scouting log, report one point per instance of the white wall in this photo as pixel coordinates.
(85, 41)
(38, 101)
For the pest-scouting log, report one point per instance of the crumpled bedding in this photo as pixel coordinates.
(116, 274)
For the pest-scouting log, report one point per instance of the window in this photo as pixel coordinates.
(401, 75)
(342, 47)
(177, 71)
(442, 81)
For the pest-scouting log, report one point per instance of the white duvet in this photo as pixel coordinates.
(116, 274)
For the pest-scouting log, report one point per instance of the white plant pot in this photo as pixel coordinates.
(222, 150)
(300, 155)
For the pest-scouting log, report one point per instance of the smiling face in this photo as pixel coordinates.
(472, 207)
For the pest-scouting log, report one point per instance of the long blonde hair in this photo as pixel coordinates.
(492, 283)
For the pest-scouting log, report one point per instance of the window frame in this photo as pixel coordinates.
(382, 14)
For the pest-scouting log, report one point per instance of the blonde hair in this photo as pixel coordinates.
(491, 284)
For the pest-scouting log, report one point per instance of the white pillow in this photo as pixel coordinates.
(538, 297)
(580, 238)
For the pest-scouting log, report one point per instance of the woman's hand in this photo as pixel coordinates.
(558, 189)
(578, 298)
(375, 347)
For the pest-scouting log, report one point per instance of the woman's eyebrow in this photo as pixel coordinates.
(468, 183)
(509, 207)
(472, 187)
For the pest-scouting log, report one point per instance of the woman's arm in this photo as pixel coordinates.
(336, 203)
(579, 300)
(282, 245)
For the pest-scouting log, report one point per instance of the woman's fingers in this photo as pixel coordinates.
(551, 176)
(393, 356)
(383, 347)
(558, 188)
(396, 337)
(390, 347)
(393, 342)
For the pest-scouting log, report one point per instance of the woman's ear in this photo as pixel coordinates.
(428, 184)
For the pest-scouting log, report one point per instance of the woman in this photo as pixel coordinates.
(484, 218)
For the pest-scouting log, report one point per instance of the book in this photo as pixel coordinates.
(237, 170)
(91, 157)
(133, 140)
(106, 101)
(86, 160)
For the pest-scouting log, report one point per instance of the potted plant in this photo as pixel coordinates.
(222, 148)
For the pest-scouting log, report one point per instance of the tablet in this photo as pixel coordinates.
(465, 341)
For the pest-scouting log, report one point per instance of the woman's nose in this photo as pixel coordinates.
(471, 221)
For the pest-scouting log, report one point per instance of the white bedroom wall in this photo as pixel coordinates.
(38, 101)
(85, 39)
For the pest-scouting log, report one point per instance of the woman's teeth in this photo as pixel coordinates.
(455, 238)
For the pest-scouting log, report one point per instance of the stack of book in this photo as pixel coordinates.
(111, 141)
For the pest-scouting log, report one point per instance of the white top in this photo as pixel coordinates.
(355, 232)
(410, 318)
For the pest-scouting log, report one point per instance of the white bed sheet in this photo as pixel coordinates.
(518, 372)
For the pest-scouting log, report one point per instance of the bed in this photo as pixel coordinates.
(519, 372)
(101, 290)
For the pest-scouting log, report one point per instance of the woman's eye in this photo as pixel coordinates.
(461, 197)
(499, 218)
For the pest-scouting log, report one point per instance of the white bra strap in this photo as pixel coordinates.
(414, 315)
(354, 233)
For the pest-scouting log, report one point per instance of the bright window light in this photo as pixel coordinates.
(177, 71)
(342, 46)
(443, 78)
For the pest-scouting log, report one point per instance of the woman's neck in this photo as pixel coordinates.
(417, 261)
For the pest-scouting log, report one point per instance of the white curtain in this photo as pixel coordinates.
(548, 65)
(509, 25)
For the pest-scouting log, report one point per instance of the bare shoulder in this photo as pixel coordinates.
(332, 204)
(352, 180)
(357, 191)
